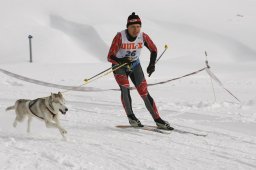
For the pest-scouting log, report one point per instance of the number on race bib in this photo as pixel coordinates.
(130, 53)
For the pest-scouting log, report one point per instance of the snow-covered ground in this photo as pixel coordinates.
(71, 40)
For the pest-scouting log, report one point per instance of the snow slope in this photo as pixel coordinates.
(71, 40)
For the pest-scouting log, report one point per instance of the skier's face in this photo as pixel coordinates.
(134, 30)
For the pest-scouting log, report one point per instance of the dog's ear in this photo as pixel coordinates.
(60, 94)
(52, 96)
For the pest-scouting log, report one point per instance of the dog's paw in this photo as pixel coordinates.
(64, 139)
(63, 131)
(14, 124)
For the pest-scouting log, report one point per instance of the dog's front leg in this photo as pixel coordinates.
(15, 122)
(29, 122)
(50, 124)
(58, 123)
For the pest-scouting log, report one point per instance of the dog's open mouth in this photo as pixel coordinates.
(62, 112)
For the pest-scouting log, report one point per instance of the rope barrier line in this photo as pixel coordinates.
(66, 88)
(210, 73)
(167, 81)
(92, 89)
(207, 69)
(42, 83)
(80, 88)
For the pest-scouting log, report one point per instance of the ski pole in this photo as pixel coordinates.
(165, 48)
(98, 74)
(108, 71)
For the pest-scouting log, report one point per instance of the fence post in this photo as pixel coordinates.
(30, 48)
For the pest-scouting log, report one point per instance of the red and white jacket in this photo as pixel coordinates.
(117, 44)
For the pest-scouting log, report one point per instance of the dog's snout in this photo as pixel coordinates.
(66, 109)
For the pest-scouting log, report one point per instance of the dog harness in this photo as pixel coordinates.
(31, 103)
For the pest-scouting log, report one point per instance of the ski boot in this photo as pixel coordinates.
(162, 124)
(134, 122)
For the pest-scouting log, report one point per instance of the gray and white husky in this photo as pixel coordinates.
(46, 109)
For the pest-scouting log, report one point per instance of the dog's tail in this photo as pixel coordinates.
(10, 108)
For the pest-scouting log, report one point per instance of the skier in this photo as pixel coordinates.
(126, 48)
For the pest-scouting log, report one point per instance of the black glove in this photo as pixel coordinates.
(150, 69)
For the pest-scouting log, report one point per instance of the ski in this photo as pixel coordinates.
(188, 132)
(163, 131)
(147, 128)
